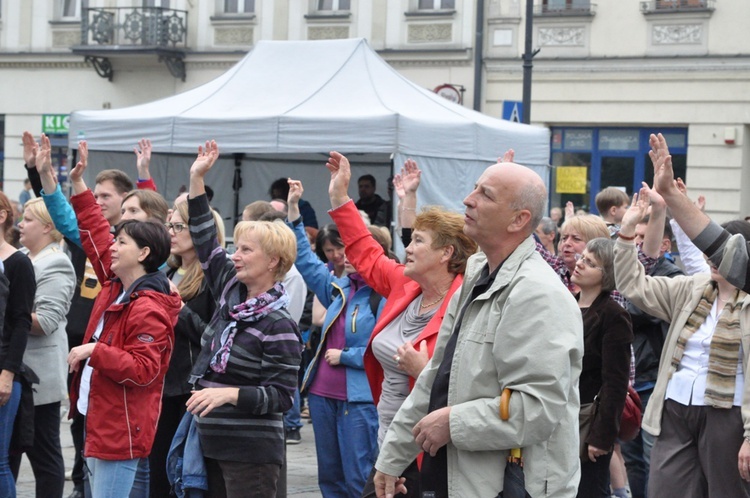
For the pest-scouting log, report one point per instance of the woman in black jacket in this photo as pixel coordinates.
(607, 335)
(186, 275)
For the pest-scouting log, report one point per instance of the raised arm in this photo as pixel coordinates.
(362, 250)
(30, 149)
(60, 210)
(142, 162)
(730, 254)
(76, 174)
(655, 228)
(407, 205)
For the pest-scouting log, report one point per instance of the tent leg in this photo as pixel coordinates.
(237, 185)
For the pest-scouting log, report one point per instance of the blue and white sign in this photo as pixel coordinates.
(513, 110)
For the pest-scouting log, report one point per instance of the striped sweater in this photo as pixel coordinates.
(263, 361)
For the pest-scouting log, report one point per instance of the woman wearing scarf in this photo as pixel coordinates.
(700, 407)
(246, 373)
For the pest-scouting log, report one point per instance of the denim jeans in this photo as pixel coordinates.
(7, 417)
(292, 418)
(637, 455)
(346, 442)
(118, 478)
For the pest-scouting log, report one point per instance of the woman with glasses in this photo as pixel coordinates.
(607, 336)
(186, 276)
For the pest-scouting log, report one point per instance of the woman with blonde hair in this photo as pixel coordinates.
(47, 347)
(246, 373)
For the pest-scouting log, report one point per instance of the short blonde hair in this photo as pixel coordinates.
(588, 225)
(275, 238)
(38, 210)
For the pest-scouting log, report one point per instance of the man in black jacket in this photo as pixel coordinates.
(649, 334)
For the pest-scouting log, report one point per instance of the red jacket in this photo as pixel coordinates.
(130, 358)
(387, 278)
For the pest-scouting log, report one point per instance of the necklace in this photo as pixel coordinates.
(423, 306)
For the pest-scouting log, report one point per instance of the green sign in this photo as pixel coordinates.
(55, 123)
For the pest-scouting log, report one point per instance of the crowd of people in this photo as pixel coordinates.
(187, 367)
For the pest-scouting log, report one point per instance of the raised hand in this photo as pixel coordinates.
(76, 174)
(30, 149)
(398, 186)
(663, 171)
(655, 198)
(570, 210)
(341, 175)
(143, 158)
(508, 157)
(410, 176)
(637, 210)
(43, 158)
(295, 194)
(207, 157)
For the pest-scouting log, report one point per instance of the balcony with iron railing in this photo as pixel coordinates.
(124, 31)
(670, 6)
(559, 8)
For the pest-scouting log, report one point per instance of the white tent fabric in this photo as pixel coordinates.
(308, 97)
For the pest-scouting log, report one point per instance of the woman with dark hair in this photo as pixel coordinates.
(700, 407)
(121, 365)
(343, 414)
(21, 285)
(417, 293)
(607, 336)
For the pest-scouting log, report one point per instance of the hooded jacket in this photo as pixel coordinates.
(129, 360)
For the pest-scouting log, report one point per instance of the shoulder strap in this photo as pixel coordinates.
(375, 299)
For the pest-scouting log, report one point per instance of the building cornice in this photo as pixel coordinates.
(646, 64)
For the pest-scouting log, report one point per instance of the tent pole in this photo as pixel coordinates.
(237, 185)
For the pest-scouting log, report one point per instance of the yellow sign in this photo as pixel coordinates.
(571, 180)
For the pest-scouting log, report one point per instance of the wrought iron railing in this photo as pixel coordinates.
(575, 8)
(130, 27)
(665, 6)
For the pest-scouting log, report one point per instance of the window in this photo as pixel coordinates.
(70, 9)
(239, 6)
(436, 4)
(164, 4)
(563, 5)
(333, 5)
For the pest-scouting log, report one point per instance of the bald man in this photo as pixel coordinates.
(513, 325)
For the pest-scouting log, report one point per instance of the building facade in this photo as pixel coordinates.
(605, 75)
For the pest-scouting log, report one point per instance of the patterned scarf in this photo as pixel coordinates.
(725, 346)
(250, 311)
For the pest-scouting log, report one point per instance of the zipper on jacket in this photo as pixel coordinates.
(354, 319)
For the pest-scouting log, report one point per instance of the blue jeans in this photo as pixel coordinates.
(637, 455)
(118, 478)
(292, 418)
(346, 442)
(7, 417)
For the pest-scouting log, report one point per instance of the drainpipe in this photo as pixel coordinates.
(478, 56)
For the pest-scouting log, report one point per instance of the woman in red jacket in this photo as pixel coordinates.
(417, 293)
(125, 353)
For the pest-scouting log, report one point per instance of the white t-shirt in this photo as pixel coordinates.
(85, 387)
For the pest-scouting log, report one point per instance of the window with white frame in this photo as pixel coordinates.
(436, 4)
(333, 5)
(164, 4)
(238, 6)
(70, 9)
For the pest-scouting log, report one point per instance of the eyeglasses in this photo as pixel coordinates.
(586, 261)
(177, 227)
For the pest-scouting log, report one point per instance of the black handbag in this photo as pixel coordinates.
(586, 417)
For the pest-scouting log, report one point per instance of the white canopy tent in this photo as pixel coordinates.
(279, 111)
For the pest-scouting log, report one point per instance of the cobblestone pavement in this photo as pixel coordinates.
(302, 472)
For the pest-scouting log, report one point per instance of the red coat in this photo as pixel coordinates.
(131, 356)
(387, 278)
